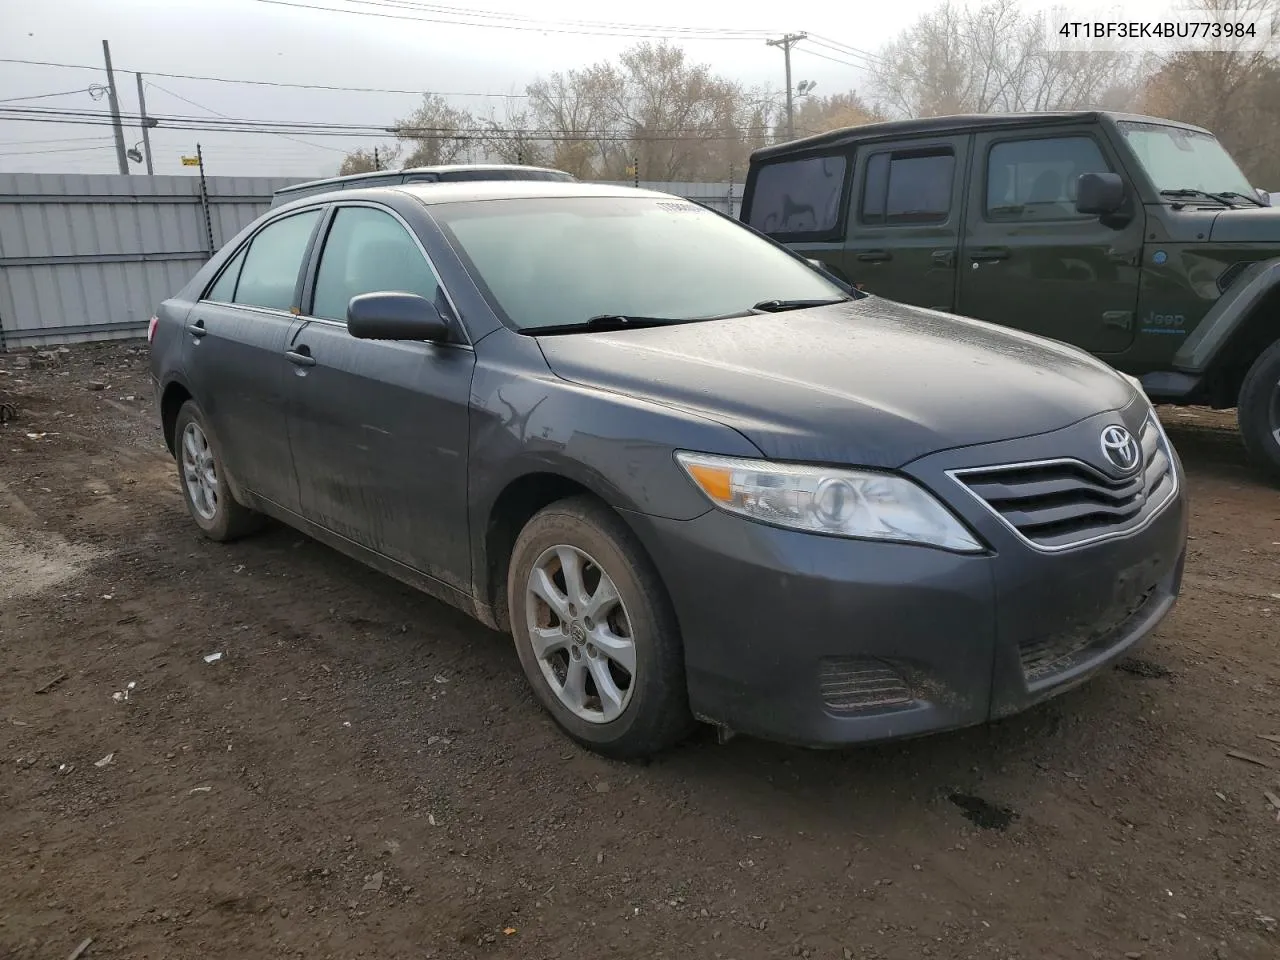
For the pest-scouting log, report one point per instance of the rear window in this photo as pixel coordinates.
(798, 196)
(908, 187)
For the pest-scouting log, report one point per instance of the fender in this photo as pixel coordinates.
(1214, 333)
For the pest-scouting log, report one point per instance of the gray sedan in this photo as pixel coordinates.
(692, 475)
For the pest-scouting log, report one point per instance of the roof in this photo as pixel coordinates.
(352, 178)
(951, 124)
(464, 191)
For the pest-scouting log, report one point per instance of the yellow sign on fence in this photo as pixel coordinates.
(191, 161)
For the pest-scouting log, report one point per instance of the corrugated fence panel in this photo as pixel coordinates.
(88, 257)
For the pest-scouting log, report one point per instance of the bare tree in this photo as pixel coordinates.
(993, 58)
(677, 119)
(436, 132)
(368, 159)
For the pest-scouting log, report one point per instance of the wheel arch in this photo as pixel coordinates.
(512, 508)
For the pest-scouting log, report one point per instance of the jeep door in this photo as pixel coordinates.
(1029, 260)
(905, 217)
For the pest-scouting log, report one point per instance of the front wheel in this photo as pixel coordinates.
(595, 632)
(1259, 410)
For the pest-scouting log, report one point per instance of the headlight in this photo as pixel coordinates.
(842, 503)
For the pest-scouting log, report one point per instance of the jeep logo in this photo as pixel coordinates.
(1165, 320)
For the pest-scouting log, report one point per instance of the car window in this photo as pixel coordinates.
(224, 290)
(270, 272)
(1036, 179)
(902, 187)
(798, 196)
(368, 251)
(544, 262)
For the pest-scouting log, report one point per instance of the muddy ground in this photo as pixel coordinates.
(363, 774)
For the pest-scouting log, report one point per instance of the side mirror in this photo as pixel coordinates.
(394, 316)
(1099, 194)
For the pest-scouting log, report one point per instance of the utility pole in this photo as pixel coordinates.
(786, 43)
(146, 124)
(121, 159)
(377, 164)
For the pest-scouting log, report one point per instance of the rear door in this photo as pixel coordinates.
(233, 353)
(379, 428)
(1029, 260)
(905, 219)
(800, 201)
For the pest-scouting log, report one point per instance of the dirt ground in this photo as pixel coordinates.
(363, 774)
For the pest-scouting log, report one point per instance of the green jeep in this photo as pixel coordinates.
(1134, 238)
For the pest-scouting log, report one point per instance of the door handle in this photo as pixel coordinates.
(875, 256)
(197, 329)
(986, 254)
(1120, 319)
(943, 258)
(301, 357)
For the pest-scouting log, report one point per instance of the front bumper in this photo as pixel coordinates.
(822, 641)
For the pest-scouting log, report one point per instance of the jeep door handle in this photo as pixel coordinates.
(987, 254)
(301, 357)
(943, 258)
(197, 329)
(875, 256)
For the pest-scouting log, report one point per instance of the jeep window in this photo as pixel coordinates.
(1179, 159)
(908, 187)
(798, 196)
(1036, 179)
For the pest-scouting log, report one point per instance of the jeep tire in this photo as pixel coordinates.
(1259, 410)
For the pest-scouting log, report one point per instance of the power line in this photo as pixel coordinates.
(43, 96)
(502, 15)
(843, 48)
(331, 88)
(622, 30)
(31, 153)
(825, 56)
(201, 106)
(442, 133)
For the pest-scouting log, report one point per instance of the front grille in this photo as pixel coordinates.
(1044, 656)
(849, 684)
(1057, 504)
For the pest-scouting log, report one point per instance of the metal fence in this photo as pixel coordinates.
(90, 257)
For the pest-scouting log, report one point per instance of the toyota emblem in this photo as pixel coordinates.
(1120, 448)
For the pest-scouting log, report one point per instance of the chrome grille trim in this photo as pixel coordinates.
(1145, 495)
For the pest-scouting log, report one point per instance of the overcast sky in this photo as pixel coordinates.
(282, 40)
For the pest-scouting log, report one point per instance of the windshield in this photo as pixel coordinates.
(556, 261)
(1179, 159)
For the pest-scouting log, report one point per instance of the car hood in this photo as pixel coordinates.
(1247, 225)
(868, 382)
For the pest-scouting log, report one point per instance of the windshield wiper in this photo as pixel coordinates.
(605, 321)
(1224, 198)
(1242, 196)
(777, 306)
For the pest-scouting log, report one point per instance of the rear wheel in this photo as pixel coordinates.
(1259, 410)
(203, 479)
(595, 632)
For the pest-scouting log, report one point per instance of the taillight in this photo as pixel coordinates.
(151, 329)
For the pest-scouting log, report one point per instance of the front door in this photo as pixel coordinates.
(904, 220)
(379, 429)
(1029, 260)
(235, 341)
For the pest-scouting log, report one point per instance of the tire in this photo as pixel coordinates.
(647, 710)
(223, 519)
(1258, 410)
